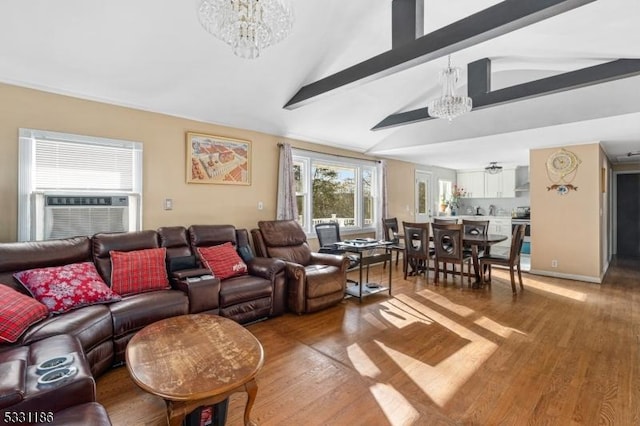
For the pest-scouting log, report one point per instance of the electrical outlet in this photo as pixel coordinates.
(168, 204)
(554, 263)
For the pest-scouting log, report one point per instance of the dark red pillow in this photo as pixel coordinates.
(17, 313)
(63, 288)
(138, 271)
(223, 260)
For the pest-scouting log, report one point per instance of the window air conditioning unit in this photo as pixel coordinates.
(63, 216)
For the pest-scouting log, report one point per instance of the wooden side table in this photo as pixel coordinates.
(195, 360)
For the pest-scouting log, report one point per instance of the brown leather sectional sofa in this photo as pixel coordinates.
(102, 331)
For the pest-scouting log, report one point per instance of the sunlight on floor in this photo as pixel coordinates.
(496, 328)
(438, 299)
(551, 288)
(361, 362)
(442, 381)
(395, 406)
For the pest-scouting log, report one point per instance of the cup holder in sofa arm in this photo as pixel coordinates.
(58, 375)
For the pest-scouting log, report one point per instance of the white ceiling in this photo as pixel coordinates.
(154, 55)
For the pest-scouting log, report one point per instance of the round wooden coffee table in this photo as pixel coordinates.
(195, 360)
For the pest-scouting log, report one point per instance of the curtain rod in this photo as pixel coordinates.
(280, 144)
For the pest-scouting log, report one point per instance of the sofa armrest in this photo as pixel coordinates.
(203, 294)
(337, 260)
(265, 267)
(296, 289)
(12, 382)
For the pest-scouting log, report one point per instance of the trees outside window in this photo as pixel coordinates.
(332, 189)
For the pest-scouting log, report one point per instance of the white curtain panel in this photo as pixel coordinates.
(286, 206)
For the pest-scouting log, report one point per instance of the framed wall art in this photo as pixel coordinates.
(216, 159)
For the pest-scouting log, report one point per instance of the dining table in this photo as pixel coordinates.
(477, 242)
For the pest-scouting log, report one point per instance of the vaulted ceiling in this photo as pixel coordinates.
(155, 56)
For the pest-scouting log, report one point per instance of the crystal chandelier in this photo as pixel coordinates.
(449, 105)
(493, 168)
(248, 26)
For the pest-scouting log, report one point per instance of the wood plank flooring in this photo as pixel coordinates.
(559, 353)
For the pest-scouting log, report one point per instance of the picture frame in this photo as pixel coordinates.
(217, 159)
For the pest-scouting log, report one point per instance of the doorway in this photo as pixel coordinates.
(423, 196)
(628, 215)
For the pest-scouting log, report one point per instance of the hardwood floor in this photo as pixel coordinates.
(558, 353)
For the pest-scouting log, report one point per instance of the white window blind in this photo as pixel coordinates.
(55, 164)
(74, 166)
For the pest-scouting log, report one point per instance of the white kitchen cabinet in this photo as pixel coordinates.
(500, 185)
(472, 182)
(508, 183)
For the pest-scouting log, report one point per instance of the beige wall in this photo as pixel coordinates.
(164, 160)
(568, 228)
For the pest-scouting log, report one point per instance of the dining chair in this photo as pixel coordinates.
(511, 261)
(448, 221)
(417, 249)
(447, 241)
(476, 227)
(391, 233)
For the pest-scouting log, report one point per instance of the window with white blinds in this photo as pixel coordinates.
(53, 164)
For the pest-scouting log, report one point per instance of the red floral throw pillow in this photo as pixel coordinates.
(63, 288)
(223, 260)
(138, 271)
(17, 313)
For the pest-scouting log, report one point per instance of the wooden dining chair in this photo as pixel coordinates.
(391, 233)
(417, 249)
(447, 241)
(447, 221)
(512, 261)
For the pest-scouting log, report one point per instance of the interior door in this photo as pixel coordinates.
(423, 196)
(628, 215)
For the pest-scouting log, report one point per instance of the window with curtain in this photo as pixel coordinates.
(333, 188)
(77, 185)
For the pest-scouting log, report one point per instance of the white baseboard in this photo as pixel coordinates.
(586, 278)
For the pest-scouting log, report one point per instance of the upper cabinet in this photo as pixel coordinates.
(479, 184)
(500, 185)
(472, 182)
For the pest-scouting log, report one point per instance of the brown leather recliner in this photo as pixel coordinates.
(314, 280)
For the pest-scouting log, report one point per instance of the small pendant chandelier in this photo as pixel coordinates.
(248, 26)
(493, 168)
(449, 105)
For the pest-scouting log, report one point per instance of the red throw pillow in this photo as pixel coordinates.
(63, 288)
(223, 260)
(17, 313)
(138, 271)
